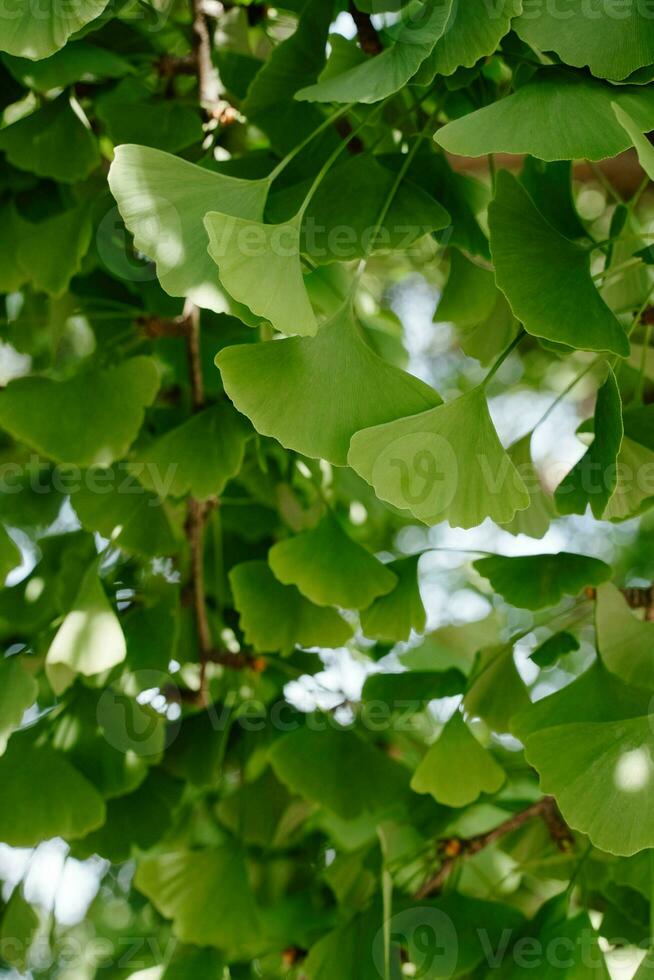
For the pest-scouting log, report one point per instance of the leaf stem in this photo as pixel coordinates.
(503, 356)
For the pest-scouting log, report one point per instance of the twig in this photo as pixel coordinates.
(208, 86)
(368, 36)
(456, 849)
(635, 597)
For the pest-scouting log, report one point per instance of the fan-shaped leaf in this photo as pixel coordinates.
(537, 581)
(91, 419)
(634, 492)
(54, 141)
(18, 691)
(625, 643)
(329, 568)
(586, 126)
(69, 806)
(206, 893)
(163, 201)
(388, 72)
(286, 388)
(546, 277)
(392, 617)
(78, 60)
(457, 769)
(51, 251)
(90, 639)
(260, 266)
(202, 454)
(444, 464)
(473, 31)
(592, 744)
(29, 36)
(535, 520)
(644, 148)
(276, 617)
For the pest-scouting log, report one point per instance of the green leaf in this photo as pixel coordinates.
(90, 640)
(496, 691)
(54, 141)
(190, 962)
(338, 769)
(29, 36)
(18, 692)
(130, 116)
(535, 520)
(69, 807)
(549, 185)
(539, 581)
(276, 617)
(594, 478)
(410, 690)
(644, 148)
(17, 930)
(551, 929)
(116, 505)
(78, 61)
(91, 419)
(388, 72)
(206, 893)
(329, 568)
(13, 273)
(473, 31)
(392, 617)
(592, 745)
(586, 126)
(634, 492)
(286, 388)
(611, 46)
(444, 464)
(260, 267)
(555, 647)
(51, 251)
(625, 643)
(343, 214)
(163, 201)
(546, 277)
(457, 769)
(470, 293)
(201, 455)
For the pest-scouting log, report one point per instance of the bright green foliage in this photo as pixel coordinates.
(321, 659)
(445, 464)
(541, 580)
(456, 770)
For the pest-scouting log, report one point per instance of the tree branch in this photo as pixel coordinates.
(455, 849)
(208, 87)
(368, 37)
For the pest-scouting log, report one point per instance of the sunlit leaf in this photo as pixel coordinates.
(625, 643)
(18, 691)
(392, 617)
(54, 141)
(29, 36)
(535, 520)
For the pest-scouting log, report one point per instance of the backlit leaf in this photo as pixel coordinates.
(392, 617)
(538, 581)
(625, 643)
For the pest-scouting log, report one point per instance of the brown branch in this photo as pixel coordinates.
(636, 598)
(369, 40)
(455, 849)
(208, 88)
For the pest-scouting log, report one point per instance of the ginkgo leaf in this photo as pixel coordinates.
(18, 692)
(276, 617)
(392, 617)
(583, 959)
(495, 691)
(473, 31)
(634, 492)
(202, 454)
(457, 769)
(206, 893)
(469, 295)
(118, 506)
(10, 555)
(444, 464)
(644, 148)
(594, 478)
(329, 568)
(592, 744)
(546, 277)
(553, 648)
(90, 640)
(411, 689)
(260, 266)
(17, 930)
(52, 250)
(586, 126)
(163, 201)
(54, 141)
(612, 47)
(625, 643)
(29, 36)
(538, 581)
(70, 805)
(535, 520)
(286, 388)
(339, 770)
(12, 272)
(388, 72)
(190, 962)
(91, 419)
(78, 60)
